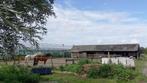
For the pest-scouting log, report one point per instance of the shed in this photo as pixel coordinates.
(107, 50)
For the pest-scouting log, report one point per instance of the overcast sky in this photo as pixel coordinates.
(98, 22)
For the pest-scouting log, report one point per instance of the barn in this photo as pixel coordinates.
(110, 50)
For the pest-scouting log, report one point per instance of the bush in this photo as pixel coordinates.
(122, 73)
(112, 71)
(15, 74)
(76, 68)
(73, 68)
(126, 74)
(61, 68)
(105, 71)
(83, 61)
(92, 73)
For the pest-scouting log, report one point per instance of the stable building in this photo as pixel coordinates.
(111, 50)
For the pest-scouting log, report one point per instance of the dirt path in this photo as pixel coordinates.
(56, 62)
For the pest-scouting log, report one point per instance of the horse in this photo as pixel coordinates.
(43, 57)
(31, 57)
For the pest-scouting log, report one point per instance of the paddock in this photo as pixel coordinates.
(56, 62)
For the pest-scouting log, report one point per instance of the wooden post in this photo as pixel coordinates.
(73, 61)
(109, 55)
(52, 62)
(66, 61)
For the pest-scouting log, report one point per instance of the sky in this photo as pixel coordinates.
(90, 22)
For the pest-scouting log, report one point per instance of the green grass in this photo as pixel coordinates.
(140, 63)
(70, 78)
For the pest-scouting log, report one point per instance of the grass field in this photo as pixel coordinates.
(71, 78)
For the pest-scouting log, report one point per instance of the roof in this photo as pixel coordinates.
(110, 47)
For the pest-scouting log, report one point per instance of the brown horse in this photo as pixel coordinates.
(43, 57)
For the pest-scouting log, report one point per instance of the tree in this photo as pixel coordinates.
(22, 20)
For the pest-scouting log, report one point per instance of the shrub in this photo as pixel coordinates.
(92, 73)
(105, 71)
(112, 71)
(83, 61)
(15, 74)
(73, 68)
(126, 74)
(61, 68)
(122, 73)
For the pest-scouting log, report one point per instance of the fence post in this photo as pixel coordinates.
(52, 62)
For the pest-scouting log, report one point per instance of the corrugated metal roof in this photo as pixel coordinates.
(111, 47)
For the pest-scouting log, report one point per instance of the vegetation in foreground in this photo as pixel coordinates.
(17, 74)
(94, 78)
(95, 70)
(71, 78)
(118, 74)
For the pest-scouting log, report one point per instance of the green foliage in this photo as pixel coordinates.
(17, 74)
(145, 50)
(61, 68)
(70, 78)
(125, 74)
(60, 53)
(105, 71)
(83, 61)
(76, 68)
(112, 71)
(73, 68)
(22, 20)
(55, 53)
(92, 73)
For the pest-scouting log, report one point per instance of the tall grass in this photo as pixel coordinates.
(17, 74)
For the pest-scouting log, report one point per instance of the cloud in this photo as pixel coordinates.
(74, 26)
